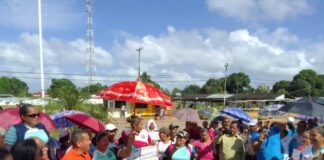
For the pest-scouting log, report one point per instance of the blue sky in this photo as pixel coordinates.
(185, 42)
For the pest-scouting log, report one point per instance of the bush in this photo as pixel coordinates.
(96, 111)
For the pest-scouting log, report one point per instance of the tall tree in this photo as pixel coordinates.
(147, 79)
(299, 88)
(319, 86)
(304, 83)
(262, 89)
(237, 82)
(92, 89)
(13, 86)
(281, 86)
(175, 91)
(212, 86)
(191, 89)
(66, 91)
(307, 75)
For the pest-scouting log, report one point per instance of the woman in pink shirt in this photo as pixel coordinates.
(204, 146)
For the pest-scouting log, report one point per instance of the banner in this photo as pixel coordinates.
(148, 153)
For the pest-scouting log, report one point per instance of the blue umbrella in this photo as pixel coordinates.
(62, 122)
(237, 113)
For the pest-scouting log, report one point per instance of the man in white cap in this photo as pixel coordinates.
(111, 130)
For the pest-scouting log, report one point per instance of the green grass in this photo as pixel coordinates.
(97, 111)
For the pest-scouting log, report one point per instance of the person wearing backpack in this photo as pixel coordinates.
(181, 150)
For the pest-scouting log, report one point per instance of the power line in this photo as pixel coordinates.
(202, 77)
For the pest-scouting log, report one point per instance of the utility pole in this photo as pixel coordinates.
(139, 63)
(90, 54)
(40, 34)
(226, 65)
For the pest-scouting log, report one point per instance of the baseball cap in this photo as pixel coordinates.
(172, 126)
(164, 130)
(110, 127)
(183, 134)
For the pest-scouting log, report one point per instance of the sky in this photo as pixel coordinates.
(184, 42)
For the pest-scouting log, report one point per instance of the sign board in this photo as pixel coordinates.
(178, 94)
(148, 153)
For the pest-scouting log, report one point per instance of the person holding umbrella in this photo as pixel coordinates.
(29, 121)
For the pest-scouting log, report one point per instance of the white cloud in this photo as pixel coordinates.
(279, 37)
(252, 10)
(204, 52)
(59, 57)
(56, 15)
(175, 59)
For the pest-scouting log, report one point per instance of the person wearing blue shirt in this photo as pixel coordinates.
(271, 148)
(29, 127)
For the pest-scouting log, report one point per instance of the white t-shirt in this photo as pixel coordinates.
(307, 152)
(123, 107)
(162, 146)
(154, 135)
(301, 153)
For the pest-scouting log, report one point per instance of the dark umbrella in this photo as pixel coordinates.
(60, 121)
(206, 114)
(218, 118)
(187, 114)
(304, 107)
(305, 118)
(86, 121)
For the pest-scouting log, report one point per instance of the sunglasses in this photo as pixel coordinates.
(33, 115)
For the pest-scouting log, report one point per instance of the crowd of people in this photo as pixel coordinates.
(219, 139)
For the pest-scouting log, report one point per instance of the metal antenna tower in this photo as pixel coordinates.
(90, 60)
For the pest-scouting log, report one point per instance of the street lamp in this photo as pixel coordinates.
(139, 63)
(226, 65)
